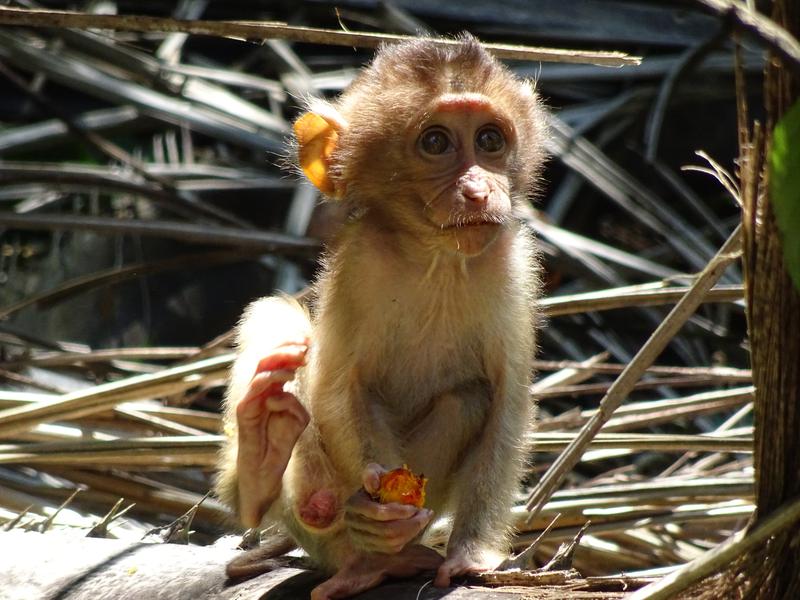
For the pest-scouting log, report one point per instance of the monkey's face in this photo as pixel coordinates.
(458, 171)
(433, 144)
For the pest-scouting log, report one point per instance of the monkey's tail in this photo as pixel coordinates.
(265, 325)
(261, 559)
(270, 322)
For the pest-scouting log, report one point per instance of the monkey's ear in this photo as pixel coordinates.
(317, 132)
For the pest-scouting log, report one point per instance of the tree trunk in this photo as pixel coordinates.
(773, 312)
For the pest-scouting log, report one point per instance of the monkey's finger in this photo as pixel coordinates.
(446, 572)
(288, 344)
(281, 435)
(272, 382)
(337, 587)
(454, 567)
(302, 340)
(268, 381)
(348, 582)
(361, 504)
(442, 578)
(299, 339)
(289, 405)
(389, 536)
(371, 477)
(413, 524)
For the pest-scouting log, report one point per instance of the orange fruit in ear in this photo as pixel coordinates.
(316, 139)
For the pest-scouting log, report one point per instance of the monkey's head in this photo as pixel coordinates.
(438, 142)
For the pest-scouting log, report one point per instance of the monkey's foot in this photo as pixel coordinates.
(269, 423)
(364, 572)
(463, 562)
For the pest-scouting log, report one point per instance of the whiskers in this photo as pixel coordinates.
(457, 220)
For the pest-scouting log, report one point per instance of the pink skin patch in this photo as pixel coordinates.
(463, 102)
(320, 509)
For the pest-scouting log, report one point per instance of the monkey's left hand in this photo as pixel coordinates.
(384, 528)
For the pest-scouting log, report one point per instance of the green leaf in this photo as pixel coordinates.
(784, 187)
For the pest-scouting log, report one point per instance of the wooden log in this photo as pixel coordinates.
(67, 566)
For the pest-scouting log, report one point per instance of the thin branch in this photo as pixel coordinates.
(262, 30)
(545, 442)
(773, 35)
(725, 179)
(107, 395)
(186, 232)
(587, 389)
(67, 176)
(637, 415)
(182, 203)
(60, 359)
(616, 298)
(607, 525)
(718, 374)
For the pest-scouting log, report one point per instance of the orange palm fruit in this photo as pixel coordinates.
(402, 486)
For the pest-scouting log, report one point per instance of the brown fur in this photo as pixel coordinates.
(419, 354)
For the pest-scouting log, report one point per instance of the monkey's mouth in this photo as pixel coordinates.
(472, 234)
(470, 221)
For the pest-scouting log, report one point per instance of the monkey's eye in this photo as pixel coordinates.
(490, 139)
(434, 141)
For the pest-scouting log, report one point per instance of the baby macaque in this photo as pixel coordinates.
(418, 349)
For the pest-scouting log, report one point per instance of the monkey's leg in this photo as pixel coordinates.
(269, 422)
(363, 572)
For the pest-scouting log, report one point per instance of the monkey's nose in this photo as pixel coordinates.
(475, 189)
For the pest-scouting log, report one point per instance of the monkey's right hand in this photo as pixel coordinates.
(269, 422)
(384, 528)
